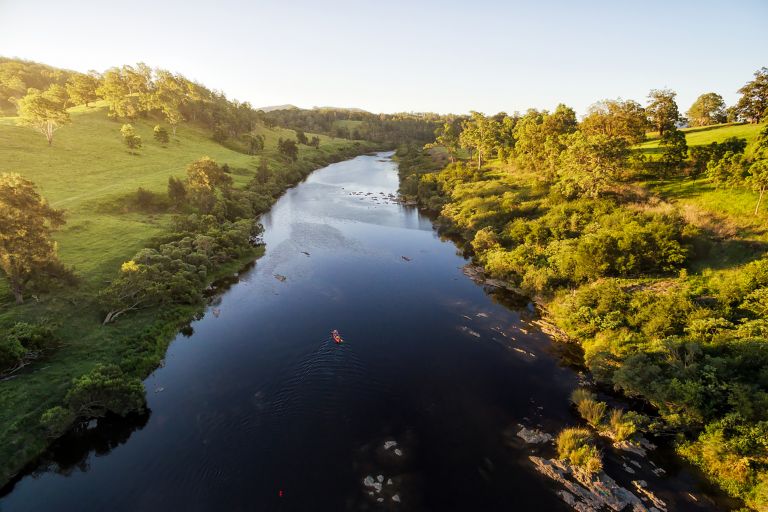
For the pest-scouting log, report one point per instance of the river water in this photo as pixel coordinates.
(256, 408)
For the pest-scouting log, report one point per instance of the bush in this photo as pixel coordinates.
(581, 394)
(622, 426)
(105, 389)
(24, 342)
(577, 446)
(592, 411)
(57, 420)
(161, 135)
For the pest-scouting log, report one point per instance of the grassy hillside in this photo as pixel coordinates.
(89, 173)
(706, 135)
(88, 170)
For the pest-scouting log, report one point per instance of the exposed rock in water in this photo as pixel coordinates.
(642, 488)
(533, 436)
(584, 492)
(406, 258)
(280, 277)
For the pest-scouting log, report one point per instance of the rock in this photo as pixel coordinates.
(398, 452)
(389, 481)
(389, 444)
(368, 481)
(533, 436)
(631, 447)
(628, 469)
(380, 500)
(159, 389)
(406, 258)
(396, 498)
(658, 471)
(642, 488)
(380, 478)
(280, 277)
(587, 492)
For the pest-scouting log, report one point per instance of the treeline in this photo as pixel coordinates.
(395, 128)
(556, 207)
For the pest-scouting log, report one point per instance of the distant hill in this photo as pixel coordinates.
(342, 109)
(278, 107)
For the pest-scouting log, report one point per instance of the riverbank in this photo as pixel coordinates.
(612, 275)
(137, 342)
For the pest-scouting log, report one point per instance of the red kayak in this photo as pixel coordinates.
(336, 336)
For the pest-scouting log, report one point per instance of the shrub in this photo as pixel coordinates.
(577, 446)
(581, 394)
(105, 389)
(161, 134)
(56, 420)
(592, 411)
(24, 342)
(622, 427)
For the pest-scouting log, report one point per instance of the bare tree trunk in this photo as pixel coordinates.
(759, 199)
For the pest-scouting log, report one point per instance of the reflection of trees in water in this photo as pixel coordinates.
(72, 451)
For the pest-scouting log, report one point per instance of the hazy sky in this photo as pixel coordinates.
(385, 56)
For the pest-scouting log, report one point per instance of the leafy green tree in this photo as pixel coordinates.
(708, 109)
(115, 88)
(255, 143)
(204, 178)
(177, 192)
(480, 133)
(301, 137)
(728, 170)
(662, 110)
(315, 142)
(753, 104)
(447, 136)
(540, 138)
(130, 138)
(81, 88)
(616, 118)
(758, 180)
(169, 95)
(160, 134)
(288, 148)
(43, 111)
(262, 173)
(674, 151)
(26, 225)
(591, 165)
(105, 389)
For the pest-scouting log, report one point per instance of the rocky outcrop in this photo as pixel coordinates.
(584, 492)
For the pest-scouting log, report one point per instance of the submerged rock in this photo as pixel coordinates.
(533, 436)
(389, 444)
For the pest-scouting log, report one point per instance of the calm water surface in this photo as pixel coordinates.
(258, 409)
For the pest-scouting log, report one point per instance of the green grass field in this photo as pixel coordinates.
(706, 135)
(87, 172)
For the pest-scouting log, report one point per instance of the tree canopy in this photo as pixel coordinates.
(44, 111)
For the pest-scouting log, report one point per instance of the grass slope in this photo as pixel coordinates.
(88, 172)
(702, 135)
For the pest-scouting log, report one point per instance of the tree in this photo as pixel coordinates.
(480, 134)
(727, 170)
(255, 143)
(161, 134)
(591, 164)
(177, 192)
(616, 118)
(116, 90)
(447, 136)
(753, 104)
(758, 180)
(675, 151)
(26, 225)
(262, 173)
(301, 137)
(131, 140)
(82, 88)
(43, 111)
(169, 95)
(662, 110)
(288, 148)
(314, 142)
(204, 178)
(105, 389)
(708, 109)
(540, 137)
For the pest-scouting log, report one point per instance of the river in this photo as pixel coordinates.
(256, 407)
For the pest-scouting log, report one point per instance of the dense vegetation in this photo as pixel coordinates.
(650, 254)
(111, 230)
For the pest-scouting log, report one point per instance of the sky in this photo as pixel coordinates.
(417, 55)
